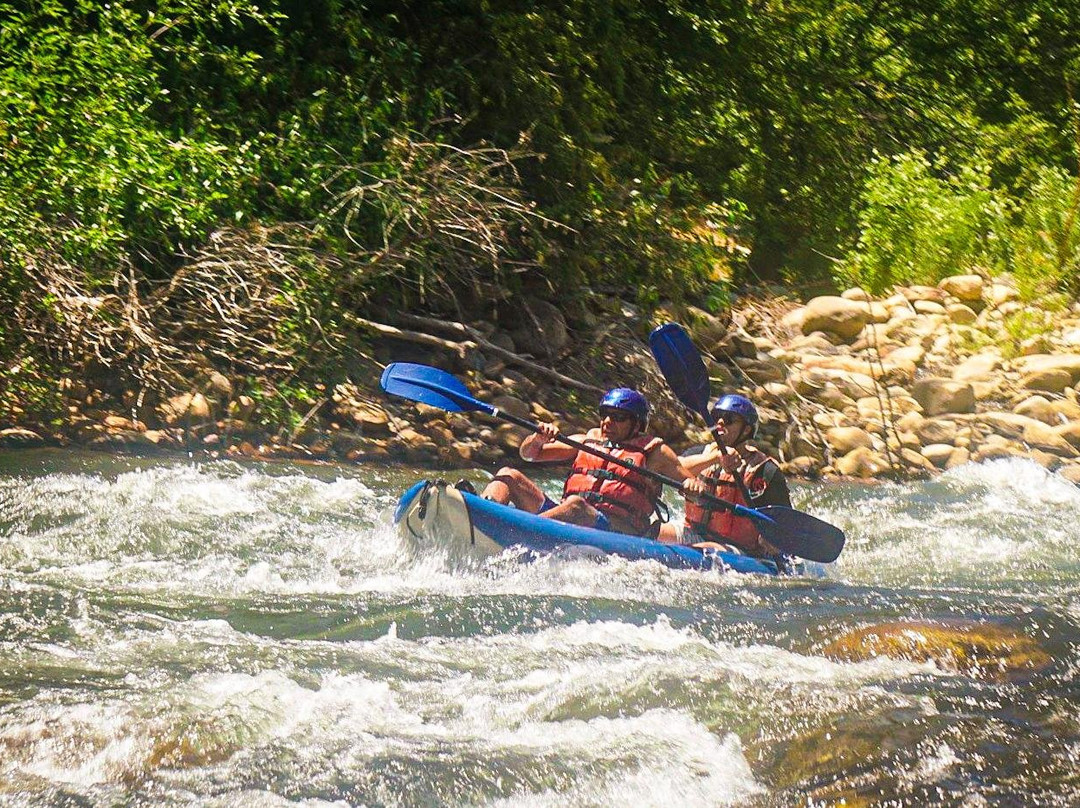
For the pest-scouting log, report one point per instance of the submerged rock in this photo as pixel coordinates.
(978, 649)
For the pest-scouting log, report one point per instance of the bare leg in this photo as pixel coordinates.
(669, 534)
(511, 486)
(574, 510)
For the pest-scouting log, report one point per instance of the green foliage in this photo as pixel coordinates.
(88, 168)
(918, 227)
(1045, 239)
(645, 146)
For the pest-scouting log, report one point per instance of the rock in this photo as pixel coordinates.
(809, 343)
(793, 319)
(19, 438)
(976, 368)
(778, 391)
(413, 440)
(936, 430)
(539, 328)
(871, 407)
(862, 462)
(855, 294)
(1050, 380)
(510, 437)
(1065, 410)
(219, 386)
(832, 398)
(369, 418)
(1042, 436)
(843, 439)
(938, 453)
(960, 314)
(907, 354)
(1050, 362)
(1070, 472)
(802, 466)
(1005, 424)
(914, 294)
(184, 407)
(975, 649)
(761, 371)
(1070, 432)
(937, 396)
(120, 422)
(513, 405)
(1038, 408)
(834, 315)
(813, 380)
(966, 288)
(959, 457)
(1047, 460)
(242, 407)
(916, 460)
(928, 307)
(706, 328)
(999, 294)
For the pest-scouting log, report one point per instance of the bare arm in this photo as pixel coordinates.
(541, 446)
(665, 461)
(695, 464)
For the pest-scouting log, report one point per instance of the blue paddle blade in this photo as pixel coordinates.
(682, 367)
(428, 385)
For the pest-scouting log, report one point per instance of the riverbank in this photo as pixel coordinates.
(849, 386)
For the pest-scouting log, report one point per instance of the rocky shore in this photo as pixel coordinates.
(849, 386)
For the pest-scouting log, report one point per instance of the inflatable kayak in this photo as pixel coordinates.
(434, 512)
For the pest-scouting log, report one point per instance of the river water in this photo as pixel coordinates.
(177, 633)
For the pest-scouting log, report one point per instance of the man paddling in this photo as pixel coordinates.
(597, 493)
(719, 469)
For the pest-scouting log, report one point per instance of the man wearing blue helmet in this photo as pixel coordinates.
(735, 470)
(597, 492)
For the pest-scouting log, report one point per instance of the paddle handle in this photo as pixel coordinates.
(739, 510)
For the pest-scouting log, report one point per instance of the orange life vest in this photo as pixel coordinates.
(612, 489)
(720, 525)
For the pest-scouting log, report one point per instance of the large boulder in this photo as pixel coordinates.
(862, 462)
(835, 315)
(844, 439)
(539, 328)
(937, 396)
(965, 288)
(1045, 363)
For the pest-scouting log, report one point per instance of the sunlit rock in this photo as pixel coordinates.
(938, 396)
(982, 650)
(845, 318)
(963, 287)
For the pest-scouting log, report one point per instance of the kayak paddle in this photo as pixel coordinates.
(437, 388)
(685, 372)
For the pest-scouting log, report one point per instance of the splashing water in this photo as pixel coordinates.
(218, 634)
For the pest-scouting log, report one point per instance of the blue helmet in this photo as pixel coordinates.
(736, 405)
(623, 398)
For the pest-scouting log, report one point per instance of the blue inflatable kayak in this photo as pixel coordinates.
(436, 512)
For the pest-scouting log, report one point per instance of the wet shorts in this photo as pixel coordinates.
(547, 504)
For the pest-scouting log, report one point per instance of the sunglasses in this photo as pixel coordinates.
(728, 418)
(618, 416)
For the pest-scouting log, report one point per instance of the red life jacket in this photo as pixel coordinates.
(719, 525)
(612, 489)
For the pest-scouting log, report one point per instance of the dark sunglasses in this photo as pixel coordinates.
(618, 416)
(728, 418)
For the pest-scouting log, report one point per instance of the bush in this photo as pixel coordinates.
(917, 227)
